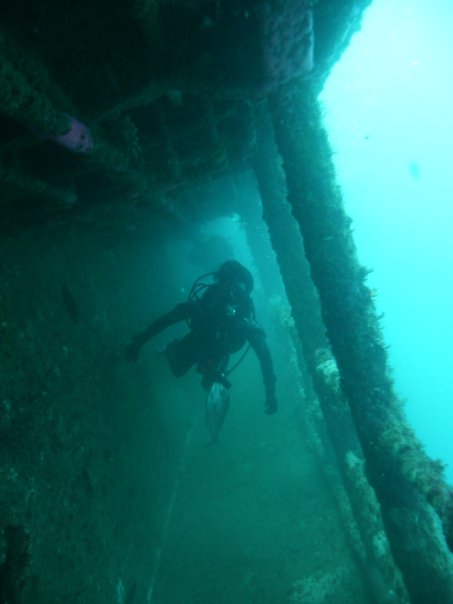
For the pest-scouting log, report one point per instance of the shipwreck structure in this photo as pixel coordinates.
(122, 125)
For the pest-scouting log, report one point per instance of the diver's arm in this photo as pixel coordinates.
(179, 313)
(257, 339)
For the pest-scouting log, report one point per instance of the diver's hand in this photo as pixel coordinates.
(271, 404)
(133, 350)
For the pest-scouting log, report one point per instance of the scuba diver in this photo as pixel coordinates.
(221, 319)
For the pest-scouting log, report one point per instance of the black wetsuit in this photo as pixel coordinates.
(218, 328)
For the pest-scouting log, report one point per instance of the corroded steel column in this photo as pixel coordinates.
(396, 464)
(286, 239)
(377, 562)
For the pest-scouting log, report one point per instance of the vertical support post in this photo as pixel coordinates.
(348, 311)
(377, 562)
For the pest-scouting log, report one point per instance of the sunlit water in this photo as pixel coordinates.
(388, 113)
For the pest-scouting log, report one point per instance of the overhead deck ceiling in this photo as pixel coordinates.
(126, 102)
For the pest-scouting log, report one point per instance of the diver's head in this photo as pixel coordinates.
(235, 279)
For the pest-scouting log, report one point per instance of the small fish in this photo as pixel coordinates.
(217, 405)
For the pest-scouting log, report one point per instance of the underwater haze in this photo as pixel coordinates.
(388, 113)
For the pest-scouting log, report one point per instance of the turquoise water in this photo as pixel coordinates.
(388, 112)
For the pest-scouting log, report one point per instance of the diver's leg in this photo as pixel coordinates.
(215, 372)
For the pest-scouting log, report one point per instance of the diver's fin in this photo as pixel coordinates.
(217, 404)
